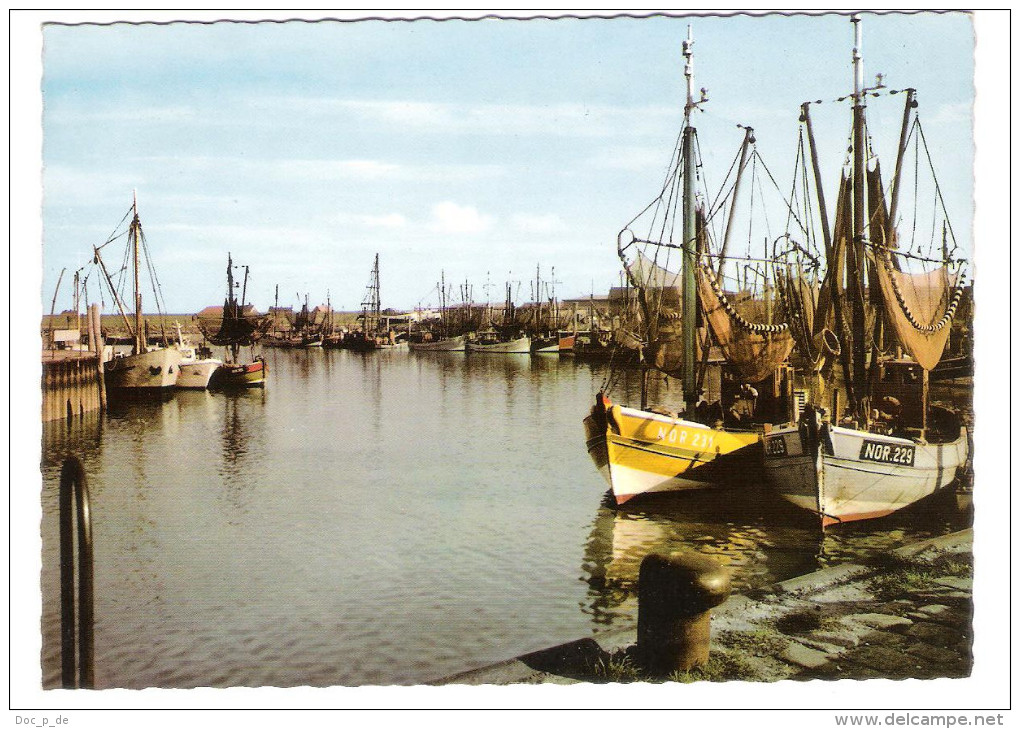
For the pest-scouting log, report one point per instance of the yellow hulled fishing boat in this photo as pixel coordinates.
(641, 452)
(650, 449)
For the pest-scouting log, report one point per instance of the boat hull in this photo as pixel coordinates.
(154, 370)
(453, 344)
(640, 452)
(857, 475)
(545, 345)
(514, 346)
(231, 376)
(197, 375)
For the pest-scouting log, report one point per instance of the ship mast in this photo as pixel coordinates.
(136, 230)
(688, 283)
(856, 259)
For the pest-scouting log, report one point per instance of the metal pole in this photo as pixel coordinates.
(74, 497)
(689, 284)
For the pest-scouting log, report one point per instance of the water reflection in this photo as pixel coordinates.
(80, 437)
(240, 442)
(758, 536)
(392, 518)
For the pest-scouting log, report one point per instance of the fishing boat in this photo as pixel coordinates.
(307, 333)
(493, 342)
(197, 365)
(235, 326)
(545, 318)
(507, 337)
(147, 368)
(868, 442)
(441, 336)
(375, 334)
(650, 449)
(444, 344)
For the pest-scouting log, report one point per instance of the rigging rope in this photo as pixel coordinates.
(947, 317)
(734, 314)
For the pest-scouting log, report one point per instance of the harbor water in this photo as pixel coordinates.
(389, 518)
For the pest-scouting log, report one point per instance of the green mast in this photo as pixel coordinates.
(688, 282)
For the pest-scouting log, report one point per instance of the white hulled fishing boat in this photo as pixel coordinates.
(888, 447)
(197, 365)
(147, 368)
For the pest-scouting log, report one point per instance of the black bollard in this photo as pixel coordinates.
(676, 594)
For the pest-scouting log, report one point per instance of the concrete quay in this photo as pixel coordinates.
(905, 614)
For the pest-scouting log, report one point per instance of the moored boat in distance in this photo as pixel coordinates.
(491, 343)
(889, 448)
(156, 369)
(448, 344)
(235, 375)
(197, 365)
(375, 333)
(443, 334)
(545, 345)
(502, 337)
(147, 368)
(234, 326)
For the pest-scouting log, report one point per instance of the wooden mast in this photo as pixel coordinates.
(744, 147)
(135, 235)
(856, 257)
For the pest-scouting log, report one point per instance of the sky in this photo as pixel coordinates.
(478, 150)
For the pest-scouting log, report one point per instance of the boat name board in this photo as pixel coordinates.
(902, 455)
(775, 446)
(679, 437)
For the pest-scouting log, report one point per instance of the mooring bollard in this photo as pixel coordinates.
(676, 594)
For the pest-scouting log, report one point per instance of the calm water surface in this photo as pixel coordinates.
(390, 518)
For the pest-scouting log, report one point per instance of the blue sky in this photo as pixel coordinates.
(476, 148)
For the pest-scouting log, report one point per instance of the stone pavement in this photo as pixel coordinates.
(904, 615)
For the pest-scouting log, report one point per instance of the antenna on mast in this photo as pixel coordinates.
(691, 104)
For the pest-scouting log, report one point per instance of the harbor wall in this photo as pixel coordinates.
(71, 387)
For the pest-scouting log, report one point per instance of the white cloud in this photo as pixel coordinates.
(449, 217)
(952, 114)
(563, 119)
(538, 223)
(324, 170)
